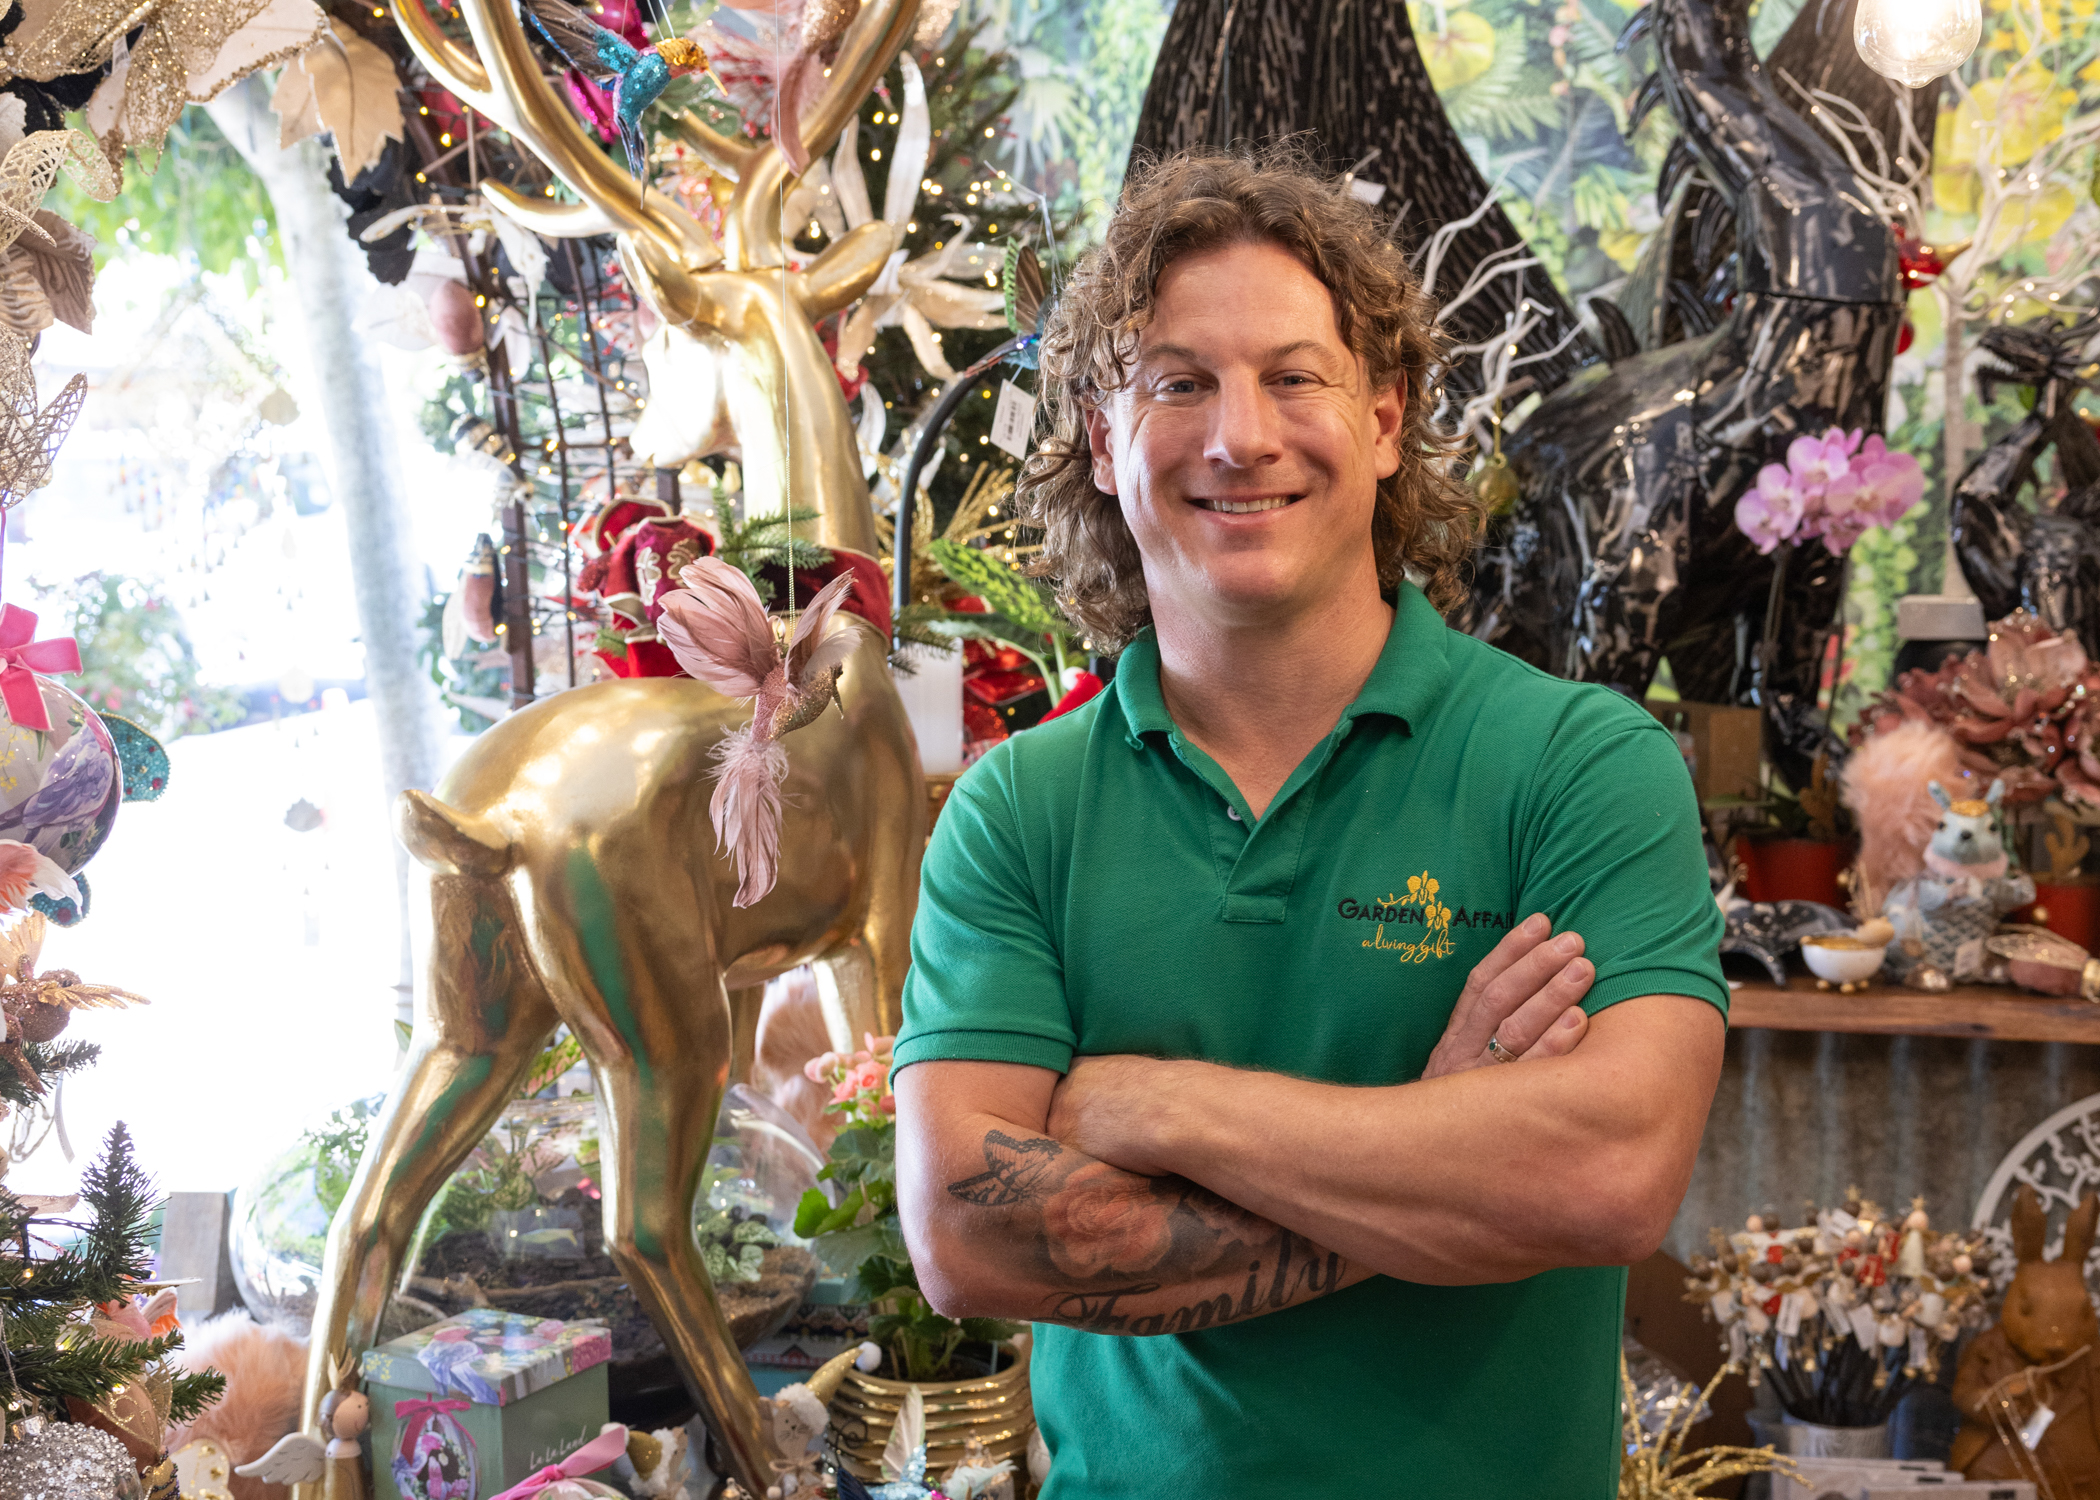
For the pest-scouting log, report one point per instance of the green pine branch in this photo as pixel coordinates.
(771, 542)
(52, 1355)
(120, 1245)
(194, 1393)
(50, 1061)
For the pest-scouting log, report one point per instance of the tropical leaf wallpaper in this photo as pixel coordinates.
(1541, 97)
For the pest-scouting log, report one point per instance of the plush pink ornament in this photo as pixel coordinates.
(265, 1370)
(1885, 784)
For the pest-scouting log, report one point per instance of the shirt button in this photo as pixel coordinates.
(1232, 812)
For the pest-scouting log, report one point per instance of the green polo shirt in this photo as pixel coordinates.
(1096, 885)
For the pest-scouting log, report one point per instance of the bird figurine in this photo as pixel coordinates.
(636, 77)
(718, 629)
(35, 1008)
(335, 1457)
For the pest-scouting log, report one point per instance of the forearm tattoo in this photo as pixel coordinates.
(1141, 1255)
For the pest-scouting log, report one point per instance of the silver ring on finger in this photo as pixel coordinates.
(1499, 1052)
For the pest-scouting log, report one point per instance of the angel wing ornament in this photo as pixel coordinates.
(295, 1458)
(717, 628)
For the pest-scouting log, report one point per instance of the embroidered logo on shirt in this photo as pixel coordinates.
(1423, 909)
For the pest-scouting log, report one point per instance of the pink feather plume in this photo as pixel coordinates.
(717, 628)
(746, 808)
(812, 653)
(1885, 783)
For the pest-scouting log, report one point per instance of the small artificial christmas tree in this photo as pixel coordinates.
(68, 1326)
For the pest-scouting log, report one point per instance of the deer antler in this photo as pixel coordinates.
(504, 82)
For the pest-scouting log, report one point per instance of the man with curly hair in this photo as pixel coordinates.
(1213, 979)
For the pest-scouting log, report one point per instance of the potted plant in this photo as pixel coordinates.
(1804, 849)
(2066, 897)
(970, 1372)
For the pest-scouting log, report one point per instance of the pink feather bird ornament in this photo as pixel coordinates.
(718, 629)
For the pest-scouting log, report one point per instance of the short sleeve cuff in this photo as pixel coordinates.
(1694, 983)
(984, 1046)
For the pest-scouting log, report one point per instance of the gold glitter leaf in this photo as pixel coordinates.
(285, 29)
(29, 439)
(149, 83)
(26, 175)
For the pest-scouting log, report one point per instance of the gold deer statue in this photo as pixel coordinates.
(574, 875)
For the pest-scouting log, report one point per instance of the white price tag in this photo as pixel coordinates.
(1013, 424)
(1865, 1326)
(2035, 1426)
(1790, 1315)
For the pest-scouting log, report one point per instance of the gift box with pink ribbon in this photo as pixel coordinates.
(470, 1407)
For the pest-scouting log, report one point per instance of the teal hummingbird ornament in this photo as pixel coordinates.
(636, 77)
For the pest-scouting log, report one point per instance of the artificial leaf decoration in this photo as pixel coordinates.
(1007, 592)
(298, 114)
(23, 306)
(149, 81)
(283, 30)
(63, 268)
(29, 439)
(1021, 284)
(354, 95)
(527, 256)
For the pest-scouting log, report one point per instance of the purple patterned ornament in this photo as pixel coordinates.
(59, 788)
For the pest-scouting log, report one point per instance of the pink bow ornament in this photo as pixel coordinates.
(565, 1481)
(21, 658)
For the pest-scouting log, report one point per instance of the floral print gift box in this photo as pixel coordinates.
(466, 1408)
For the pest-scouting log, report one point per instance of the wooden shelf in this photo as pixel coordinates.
(1976, 1011)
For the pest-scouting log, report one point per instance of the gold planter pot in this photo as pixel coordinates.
(995, 1409)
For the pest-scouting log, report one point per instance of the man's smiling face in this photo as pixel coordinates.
(1247, 444)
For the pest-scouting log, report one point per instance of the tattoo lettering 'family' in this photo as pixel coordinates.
(1117, 1243)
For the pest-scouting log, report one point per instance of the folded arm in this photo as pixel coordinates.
(1492, 1174)
(1004, 1221)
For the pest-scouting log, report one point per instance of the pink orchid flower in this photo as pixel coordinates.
(1771, 512)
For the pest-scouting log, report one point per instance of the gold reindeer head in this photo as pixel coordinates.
(737, 357)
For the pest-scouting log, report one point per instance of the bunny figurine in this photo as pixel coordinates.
(2048, 1316)
(1942, 914)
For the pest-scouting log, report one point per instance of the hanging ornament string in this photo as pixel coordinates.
(787, 102)
(2022, 1439)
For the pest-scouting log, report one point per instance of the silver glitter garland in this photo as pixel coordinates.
(69, 1461)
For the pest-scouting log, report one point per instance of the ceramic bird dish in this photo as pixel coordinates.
(1844, 960)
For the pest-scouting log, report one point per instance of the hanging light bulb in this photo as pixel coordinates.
(1916, 41)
